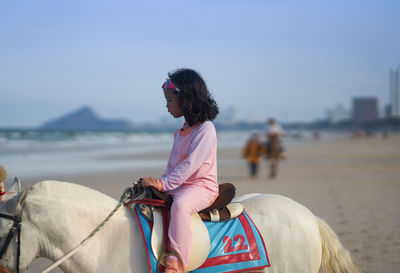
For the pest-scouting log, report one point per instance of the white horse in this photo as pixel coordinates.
(57, 216)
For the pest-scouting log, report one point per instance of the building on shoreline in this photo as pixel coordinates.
(338, 113)
(365, 109)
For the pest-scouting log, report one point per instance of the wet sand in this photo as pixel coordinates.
(354, 184)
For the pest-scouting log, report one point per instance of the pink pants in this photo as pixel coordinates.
(188, 199)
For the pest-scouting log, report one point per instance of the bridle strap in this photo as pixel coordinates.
(18, 246)
(15, 228)
(10, 217)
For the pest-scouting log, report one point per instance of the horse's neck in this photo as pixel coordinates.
(60, 224)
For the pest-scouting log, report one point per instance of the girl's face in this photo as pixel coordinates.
(173, 104)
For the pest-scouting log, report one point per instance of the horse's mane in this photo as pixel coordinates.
(73, 192)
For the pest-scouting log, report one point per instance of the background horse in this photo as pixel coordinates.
(57, 216)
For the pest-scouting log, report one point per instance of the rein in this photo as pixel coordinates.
(129, 193)
(16, 227)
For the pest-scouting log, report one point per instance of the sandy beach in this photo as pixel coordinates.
(354, 184)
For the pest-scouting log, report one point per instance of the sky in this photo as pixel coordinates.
(289, 59)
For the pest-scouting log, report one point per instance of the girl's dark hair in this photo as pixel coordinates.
(196, 101)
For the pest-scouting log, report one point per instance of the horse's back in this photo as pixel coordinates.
(289, 229)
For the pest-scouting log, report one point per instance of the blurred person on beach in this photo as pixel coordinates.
(316, 135)
(253, 151)
(385, 134)
(3, 176)
(191, 174)
(274, 146)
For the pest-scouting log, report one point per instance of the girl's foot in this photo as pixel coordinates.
(174, 265)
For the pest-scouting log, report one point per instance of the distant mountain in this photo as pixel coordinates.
(86, 119)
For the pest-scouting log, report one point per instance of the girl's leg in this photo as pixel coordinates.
(187, 200)
(251, 166)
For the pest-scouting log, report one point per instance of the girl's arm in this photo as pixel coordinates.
(203, 145)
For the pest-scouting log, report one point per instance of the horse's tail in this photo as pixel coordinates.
(335, 258)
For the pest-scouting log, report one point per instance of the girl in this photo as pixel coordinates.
(191, 174)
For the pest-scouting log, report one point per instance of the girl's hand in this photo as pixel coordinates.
(152, 182)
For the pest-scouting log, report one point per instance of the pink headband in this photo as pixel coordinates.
(169, 85)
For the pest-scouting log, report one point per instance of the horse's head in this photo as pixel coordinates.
(10, 215)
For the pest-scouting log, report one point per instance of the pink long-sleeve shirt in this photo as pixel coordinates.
(193, 159)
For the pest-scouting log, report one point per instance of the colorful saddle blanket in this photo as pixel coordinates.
(236, 246)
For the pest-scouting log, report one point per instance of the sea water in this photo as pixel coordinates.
(38, 153)
(31, 153)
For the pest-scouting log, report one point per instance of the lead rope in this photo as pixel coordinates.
(126, 196)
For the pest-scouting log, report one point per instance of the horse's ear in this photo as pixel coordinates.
(15, 198)
(15, 186)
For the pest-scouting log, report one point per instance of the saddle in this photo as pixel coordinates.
(221, 210)
(237, 245)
